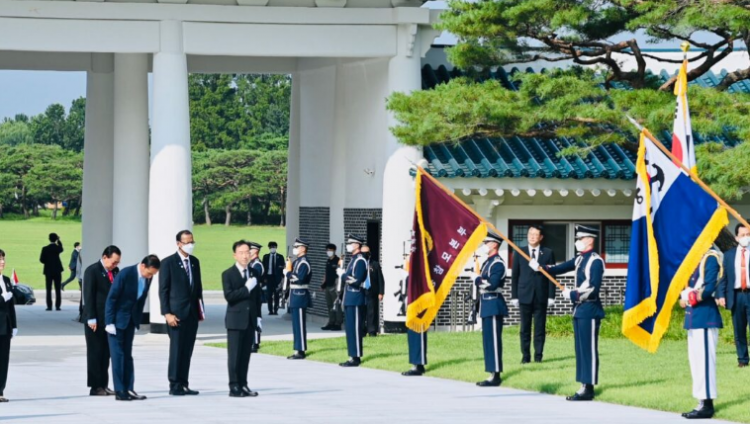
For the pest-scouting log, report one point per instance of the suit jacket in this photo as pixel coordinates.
(377, 284)
(243, 305)
(50, 257)
(277, 273)
(176, 294)
(330, 278)
(525, 282)
(73, 260)
(123, 304)
(726, 285)
(7, 310)
(96, 287)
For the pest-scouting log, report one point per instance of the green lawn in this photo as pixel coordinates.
(22, 241)
(628, 375)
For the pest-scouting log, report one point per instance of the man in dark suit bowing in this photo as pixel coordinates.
(8, 325)
(97, 281)
(273, 265)
(181, 297)
(124, 309)
(532, 293)
(242, 293)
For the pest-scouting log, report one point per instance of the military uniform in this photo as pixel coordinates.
(259, 271)
(587, 312)
(299, 300)
(702, 322)
(354, 303)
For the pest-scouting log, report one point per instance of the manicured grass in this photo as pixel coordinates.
(628, 375)
(22, 240)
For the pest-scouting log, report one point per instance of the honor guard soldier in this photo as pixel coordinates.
(354, 300)
(417, 353)
(299, 297)
(587, 308)
(702, 322)
(256, 264)
(492, 308)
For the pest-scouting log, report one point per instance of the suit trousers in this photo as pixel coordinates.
(373, 314)
(586, 334)
(4, 361)
(702, 355)
(417, 347)
(354, 327)
(121, 347)
(272, 298)
(492, 342)
(181, 345)
(536, 312)
(299, 328)
(97, 357)
(740, 318)
(239, 347)
(334, 317)
(56, 281)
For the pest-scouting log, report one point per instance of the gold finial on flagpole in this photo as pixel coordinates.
(685, 46)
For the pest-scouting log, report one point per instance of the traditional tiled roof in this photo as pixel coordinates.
(533, 157)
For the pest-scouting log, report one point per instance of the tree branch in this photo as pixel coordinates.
(732, 78)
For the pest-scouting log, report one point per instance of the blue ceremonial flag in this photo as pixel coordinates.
(674, 223)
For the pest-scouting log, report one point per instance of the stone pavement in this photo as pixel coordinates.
(47, 384)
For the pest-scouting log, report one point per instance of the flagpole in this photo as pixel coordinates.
(692, 174)
(492, 227)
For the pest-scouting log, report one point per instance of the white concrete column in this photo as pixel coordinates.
(131, 169)
(293, 164)
(170, 187)
(98, 159)
(404, 75)
(338, 163)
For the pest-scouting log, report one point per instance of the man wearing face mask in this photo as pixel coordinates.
(734, 291)
(587, 308)
(299, 297)
(335, 317)
(492, 308)
(181, 296)
(354, 299)
(273, 264)
(374, 293)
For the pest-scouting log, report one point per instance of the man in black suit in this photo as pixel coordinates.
(242, 293)
(53, 269)
(532, 293)
(97, 281)
(374, 293)
(181, 296)
(273, 264)
(123, 312)
(8, 325)
(329, 287)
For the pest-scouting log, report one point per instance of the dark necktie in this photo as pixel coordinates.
(246, 276)
(187, 270)
(533, 254)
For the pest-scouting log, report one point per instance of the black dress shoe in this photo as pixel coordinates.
(578, 397)
(237, 392)
(298, 355)
(48, 309)
(704, 411)
(326, 328)
(109, 391)
(538, 360)
(354, 362)
(495, 382)
(58, 309)
(254, 348)
(414, 372)
(97, 392)
(188, 391)
(246, 390)
(122, 396)
(525, 361)
(177, 391)
(741, 364)
(4, 399)
(335, 328)
(135, 396)
(373, 334)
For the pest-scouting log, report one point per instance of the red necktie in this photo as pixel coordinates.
(111, 278)
(743, 270)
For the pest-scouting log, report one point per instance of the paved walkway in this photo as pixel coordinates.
(47, 384)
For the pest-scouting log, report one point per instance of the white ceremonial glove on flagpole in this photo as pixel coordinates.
(473, 277)
(15, 333)
(534, 265)
(260, 323)
(514, 302)
(340, 271)
(251, 283)
(110, 328)
(566, 293)
(550, 302)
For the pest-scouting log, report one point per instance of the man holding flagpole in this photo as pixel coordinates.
(587, 308)
(354, 300)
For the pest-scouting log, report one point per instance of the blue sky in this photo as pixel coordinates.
(30, 92)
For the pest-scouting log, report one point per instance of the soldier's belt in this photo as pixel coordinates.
(496, 291)
(299, 287)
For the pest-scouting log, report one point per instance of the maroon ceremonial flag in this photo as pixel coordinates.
(446, 234)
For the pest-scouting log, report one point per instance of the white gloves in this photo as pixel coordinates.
(350, 280)
(260, 323)
(340, 271)
(566, 293)
(514, 302)
(473, 277)
(251, 283)
(15, 333)
(7, 296)
(110, 328)
(550, 302)
(684, 294)
(534, 265)
(484, 284)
